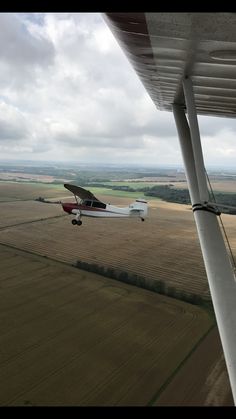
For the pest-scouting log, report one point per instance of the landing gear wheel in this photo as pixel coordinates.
(74, 222)
(79, 222)
(142, 219)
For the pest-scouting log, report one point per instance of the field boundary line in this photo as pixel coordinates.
(32, 221)
(10, 246)
(170, 378)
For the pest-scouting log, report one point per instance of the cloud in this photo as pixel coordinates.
(13, 125)
(19, 46)
(212, 126)
(220, 148)
(69, 92)
(21, 53)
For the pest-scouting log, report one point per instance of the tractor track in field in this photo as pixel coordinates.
(31, 221)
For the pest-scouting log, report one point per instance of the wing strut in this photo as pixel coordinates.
(217, 262)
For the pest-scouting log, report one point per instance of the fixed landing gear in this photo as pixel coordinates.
(76, 222)
(142, 219)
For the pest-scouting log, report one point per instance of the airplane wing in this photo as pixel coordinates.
(165, 47)
(80, 192)
(187, 62)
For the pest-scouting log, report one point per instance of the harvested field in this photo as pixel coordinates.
(227, 186)
(13, 213)
(155, 249)
(21, 191)
(224, 186)
(210, 386)
(21, 177)
(73, 338)
(53, 312)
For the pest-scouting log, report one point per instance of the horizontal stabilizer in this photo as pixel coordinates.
(135, 210)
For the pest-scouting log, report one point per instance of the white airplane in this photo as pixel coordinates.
(88, 205)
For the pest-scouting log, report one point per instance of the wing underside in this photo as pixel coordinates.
(80, 192)
(165, 47)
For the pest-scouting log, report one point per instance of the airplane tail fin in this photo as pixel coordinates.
(140, 207)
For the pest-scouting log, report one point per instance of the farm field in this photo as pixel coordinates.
(155, 248)
(74, 338)
(107, 193)
(25, 177)
(12, 191)
(217, 185)
(143, 248)
(224, 186)
(211, 384)
(169, 234)
(13, 213)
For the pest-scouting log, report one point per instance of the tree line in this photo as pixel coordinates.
(156, 285)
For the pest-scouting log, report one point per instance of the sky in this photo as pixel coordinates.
(69, 93)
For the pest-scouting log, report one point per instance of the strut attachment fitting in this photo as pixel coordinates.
(206, 207)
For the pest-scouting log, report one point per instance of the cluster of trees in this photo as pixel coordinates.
(169, 194)
(150, 284)
(181, 196)
(226, 199)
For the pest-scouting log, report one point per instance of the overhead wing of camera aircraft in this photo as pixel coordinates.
(187, 63)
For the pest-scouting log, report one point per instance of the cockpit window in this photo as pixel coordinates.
(98, 204)
(87, 203)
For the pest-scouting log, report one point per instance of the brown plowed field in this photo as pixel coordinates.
(73, 338)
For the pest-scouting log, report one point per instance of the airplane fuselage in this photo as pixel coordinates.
(88, 205)
(104, 210)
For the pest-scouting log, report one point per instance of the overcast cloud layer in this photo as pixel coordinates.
(68, 92)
